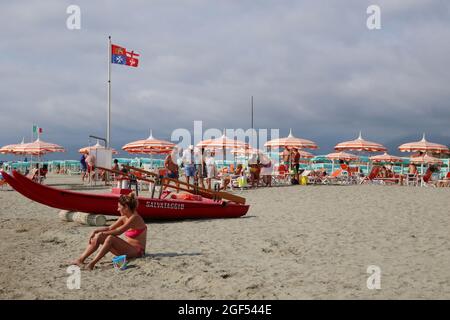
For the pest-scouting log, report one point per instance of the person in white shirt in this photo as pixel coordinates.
(211, 169)
(266, 170)
(188, 163)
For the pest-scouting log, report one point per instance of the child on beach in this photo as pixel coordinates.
(130, 224)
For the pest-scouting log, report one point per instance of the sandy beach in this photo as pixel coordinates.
(296, 242)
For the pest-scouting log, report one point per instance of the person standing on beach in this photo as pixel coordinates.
(286, 157)
(200, 170)
(254, 164)
(115, 165)
(83, 167)
(188, 162)
(266, 171)
(90, 160)
(211, 169)
(296, 163)
(171, 167)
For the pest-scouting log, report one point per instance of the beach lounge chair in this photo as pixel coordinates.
(426, 180)
(334, 178)
(37, 175)
(412, 179)
(445, 182)
(144, 185)
(317, 177)
(395, 179)
(282, 175)
(33, 174)
(372, 175)
(312, 177)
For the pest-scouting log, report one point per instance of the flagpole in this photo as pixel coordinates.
(252, 113)
(108, 127)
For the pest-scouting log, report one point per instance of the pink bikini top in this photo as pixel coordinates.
(133, 233)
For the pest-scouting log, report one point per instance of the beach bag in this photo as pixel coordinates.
(242, 182)
(304, 181)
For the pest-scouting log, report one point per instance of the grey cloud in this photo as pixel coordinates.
(311, 65)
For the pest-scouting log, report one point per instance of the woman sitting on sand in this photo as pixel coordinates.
(130, 223)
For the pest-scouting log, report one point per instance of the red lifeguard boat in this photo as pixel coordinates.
(149, 208)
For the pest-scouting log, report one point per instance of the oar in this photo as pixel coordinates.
(165, 182)
(193, 188)
(130, 175)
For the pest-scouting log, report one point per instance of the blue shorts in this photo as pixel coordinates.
(189, 170)
(172, 175)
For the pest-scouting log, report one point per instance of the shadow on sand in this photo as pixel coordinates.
(171, 254)
(199, 220)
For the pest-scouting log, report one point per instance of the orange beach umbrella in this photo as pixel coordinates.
(149, 146)
(222, 142)
(10, 148)
(359, 144)
(342, 156)
(244, 151)
(291, 141)
(37, 147)
(423, 146)
(86, 150)
(425, 159)
(386, 158)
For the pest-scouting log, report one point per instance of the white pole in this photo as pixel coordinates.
(108, 127)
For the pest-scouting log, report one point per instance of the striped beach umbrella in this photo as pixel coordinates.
(149, 146)
(342, 156)
(222, 142)
(86, 150)
(386, 158)
(243, 151)
(423, 146)
(425, 159)
(9, 149)
(37, 147)
(359, 144)
(291, 141)
(303, 155)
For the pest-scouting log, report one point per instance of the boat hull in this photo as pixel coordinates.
(106, 204)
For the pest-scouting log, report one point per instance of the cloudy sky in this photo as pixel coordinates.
(313, 66)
